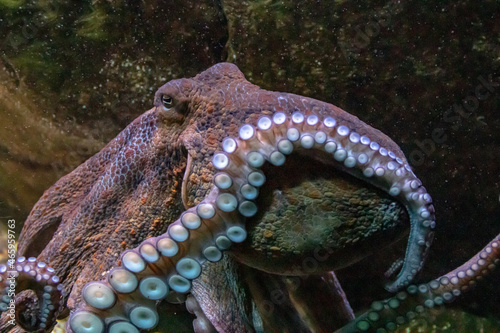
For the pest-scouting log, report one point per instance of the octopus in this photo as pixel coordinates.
(223, 196)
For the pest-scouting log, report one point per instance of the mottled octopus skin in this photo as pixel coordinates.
(167, 162)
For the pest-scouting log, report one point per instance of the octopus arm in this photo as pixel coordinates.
(173, 260)
(415, 299)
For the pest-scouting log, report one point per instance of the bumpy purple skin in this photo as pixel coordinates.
(135, 189)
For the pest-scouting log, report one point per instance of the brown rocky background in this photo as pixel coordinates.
(73, 74)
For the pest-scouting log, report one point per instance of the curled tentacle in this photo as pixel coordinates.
(408, 304)
(201, 324)
(36, 311)
(127, 298)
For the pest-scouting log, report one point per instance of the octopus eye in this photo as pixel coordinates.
(167, 101)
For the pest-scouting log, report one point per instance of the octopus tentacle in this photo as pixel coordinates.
(159, 265)
(30, 274)
(171, 261)
(311, 304)
(361, 157)
(407, 304)
(201, 323)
